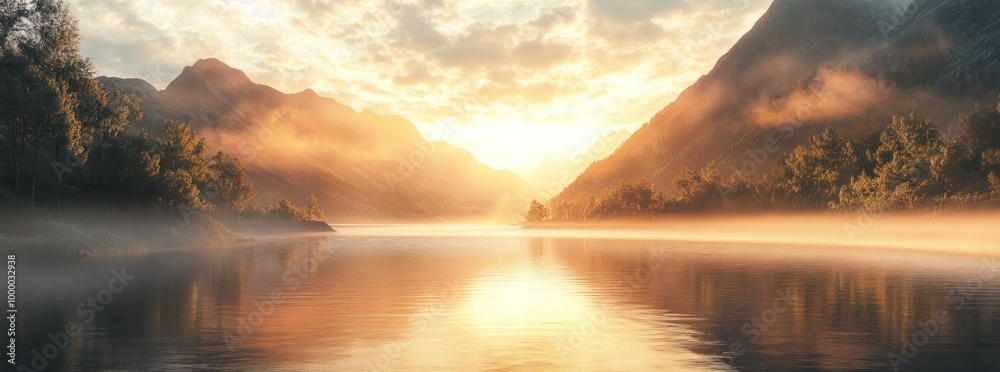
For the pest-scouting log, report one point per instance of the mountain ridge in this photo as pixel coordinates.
(362, 166)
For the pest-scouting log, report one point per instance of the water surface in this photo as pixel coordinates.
(452, 298)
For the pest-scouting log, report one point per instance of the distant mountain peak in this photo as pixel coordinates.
(210, 73)
(209, 63)
(209, 90)
(213, 66)
(308, 93)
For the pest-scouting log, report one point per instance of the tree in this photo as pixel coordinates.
(578, 209)
(178, 192)
(51, 102)
(183, 168)
(981, 136)
(906, 150)
(912, 164)
(698, 191)
(313, 210)
(813, 174)
(739, 192)
(288, 211)
(232, 190)
(989, 160)
(628, 200)
(994, 186)
(184, 150)
(55, 82)
(12, 14)
(125, 168)
(537, 212)
(981, 128)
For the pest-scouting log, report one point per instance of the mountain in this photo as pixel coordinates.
(806, 65)
(362, 166)
(948, 46)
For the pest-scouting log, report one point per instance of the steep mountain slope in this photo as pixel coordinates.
(807, 64)
(949, 46)
(361, 165)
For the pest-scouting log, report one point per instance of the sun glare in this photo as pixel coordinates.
(525, 298)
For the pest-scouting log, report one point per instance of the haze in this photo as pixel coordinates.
(965, 233)
(514, 82)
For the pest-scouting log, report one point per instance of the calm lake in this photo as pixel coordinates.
(451, 298)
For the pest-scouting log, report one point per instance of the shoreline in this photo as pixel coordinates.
(40, 235)
(967, 233)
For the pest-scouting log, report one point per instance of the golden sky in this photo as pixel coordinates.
(514, 82)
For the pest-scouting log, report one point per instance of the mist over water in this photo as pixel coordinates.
(960, 233)
(668, 296)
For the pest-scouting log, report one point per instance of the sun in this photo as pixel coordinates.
(514, 144)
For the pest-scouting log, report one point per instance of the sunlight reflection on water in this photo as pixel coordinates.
(407, 298)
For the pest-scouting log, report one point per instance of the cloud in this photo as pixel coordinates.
(831, 95)
(634, 10)
(416, 74)
(534, 93)
(469, 55)
(417, 33)
(471, 62)
(539, 54)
